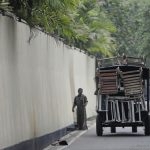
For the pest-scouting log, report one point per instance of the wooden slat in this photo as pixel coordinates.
(114, 84)
(110, 92)
(131, 72)
(128, 79)
(108, 78)
(132, 80)
(108, 87)
(133, 93)
(105, 88)
(132, 84)
(111, 70)
(131, 76)
(108, 74)
(108, 83)
(132, 87)
(135, 90)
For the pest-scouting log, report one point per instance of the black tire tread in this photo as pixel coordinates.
(147, 126)
(113, 129)
(99, 127)
(134, 129)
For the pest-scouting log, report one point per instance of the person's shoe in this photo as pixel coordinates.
(84, 128)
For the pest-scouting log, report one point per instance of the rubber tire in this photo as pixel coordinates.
(134, 129)
(113, 129)
(99, 127)
(147, 126)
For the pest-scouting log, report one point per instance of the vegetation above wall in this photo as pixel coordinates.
(105, 27)
(132, 21)
(80, 23)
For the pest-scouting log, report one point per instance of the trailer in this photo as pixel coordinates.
(122, 89)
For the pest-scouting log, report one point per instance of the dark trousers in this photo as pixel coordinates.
(81, 119)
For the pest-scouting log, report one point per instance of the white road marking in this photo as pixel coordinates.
(59, 147)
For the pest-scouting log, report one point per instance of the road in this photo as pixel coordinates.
(122, 140)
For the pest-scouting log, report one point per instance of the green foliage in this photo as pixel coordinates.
(97, 28)
(80, 23)
(132, 20)
(4, 5)
(107, 27)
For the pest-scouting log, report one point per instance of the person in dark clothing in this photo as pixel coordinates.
(81, 102)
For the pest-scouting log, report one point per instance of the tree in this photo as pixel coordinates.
(4, 5)
(131, 18)
(97, 27)
(80, 23)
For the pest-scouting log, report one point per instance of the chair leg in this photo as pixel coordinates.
(129, 112)
(112, 111)
(132, 109)
(123, 112)
(143, 103)
(117, 110)
(106, 109)
(139, 109)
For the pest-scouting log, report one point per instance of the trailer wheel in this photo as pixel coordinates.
(113, 129)
(134, 129)
(147, 125)
(99, 127)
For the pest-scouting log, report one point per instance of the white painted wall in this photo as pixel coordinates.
(38, 82)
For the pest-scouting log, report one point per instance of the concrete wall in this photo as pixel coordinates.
(38, 81)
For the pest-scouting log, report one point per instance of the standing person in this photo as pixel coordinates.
(81, 102)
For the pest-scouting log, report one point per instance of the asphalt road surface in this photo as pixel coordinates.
(124, 139)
